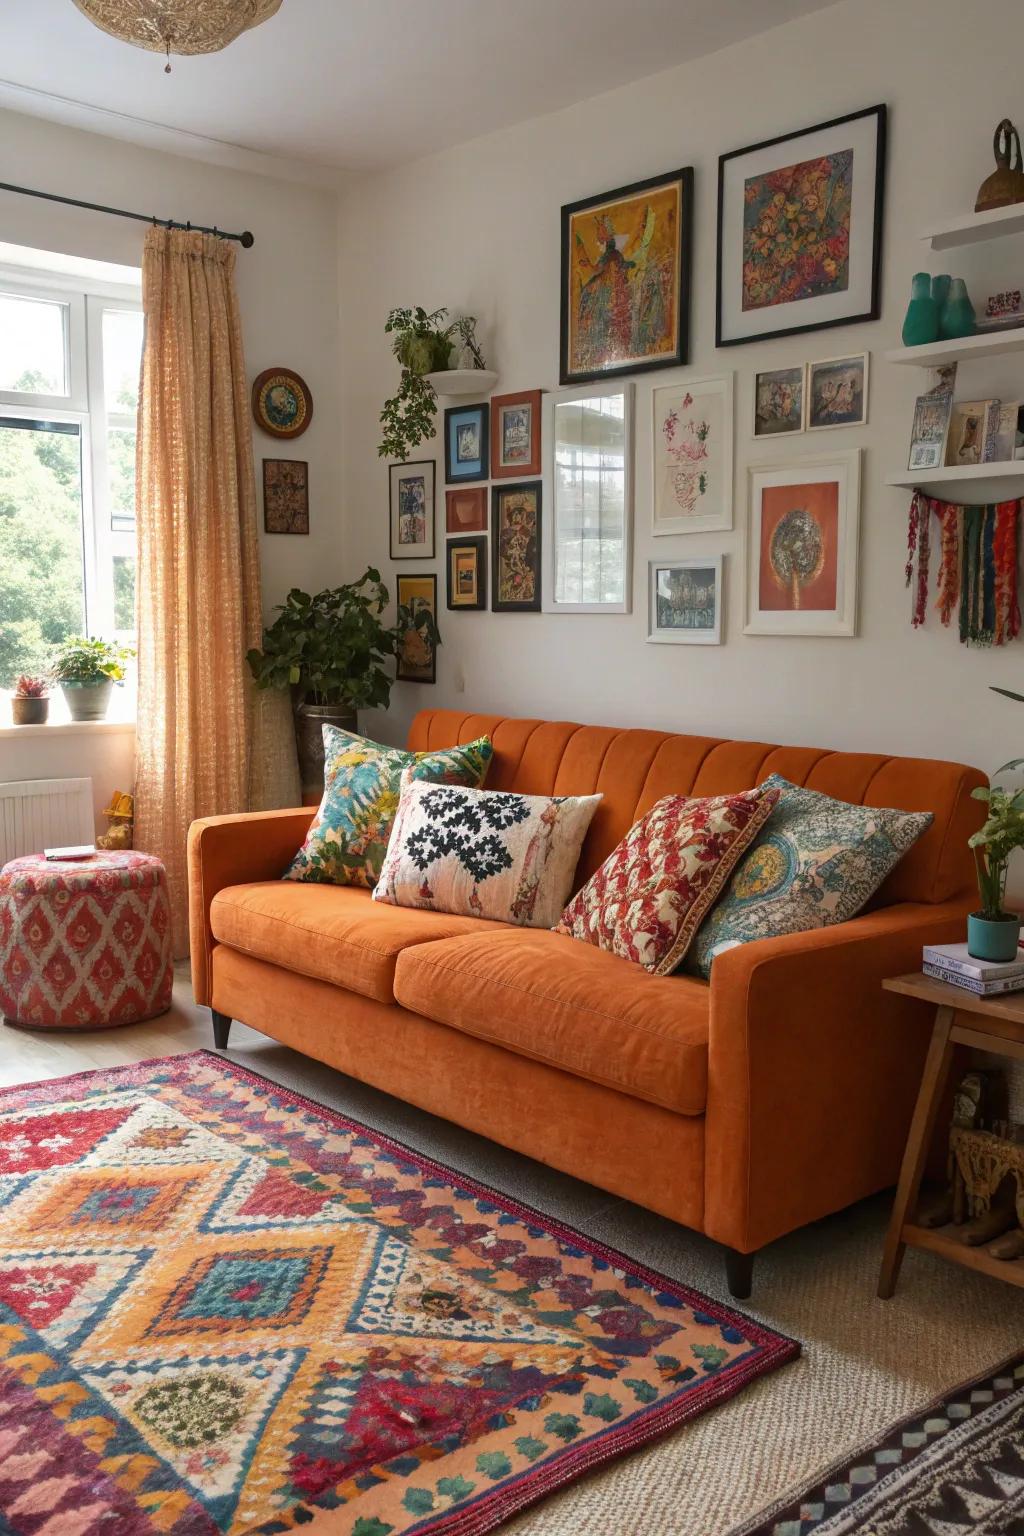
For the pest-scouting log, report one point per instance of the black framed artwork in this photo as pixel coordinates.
(285, 496)
(516, 547)
(466, 447)
(625, 273)
(417, 653)
(800, 230)
(411, 497)
(467, 573)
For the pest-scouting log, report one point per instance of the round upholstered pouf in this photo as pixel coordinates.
(84, 944)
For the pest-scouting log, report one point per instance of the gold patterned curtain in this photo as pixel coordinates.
(207, 743)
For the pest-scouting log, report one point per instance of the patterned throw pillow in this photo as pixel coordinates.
(654, 890)
(482, 853)
(816, 863)
(348, 836)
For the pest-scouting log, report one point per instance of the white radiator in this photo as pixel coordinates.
(44, 813)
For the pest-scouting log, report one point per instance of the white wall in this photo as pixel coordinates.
(287, 284)
(477, 228)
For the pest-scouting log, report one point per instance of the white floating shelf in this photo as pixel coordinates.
(454, 382)
(971, 484)
(972, 227)
(934, 354)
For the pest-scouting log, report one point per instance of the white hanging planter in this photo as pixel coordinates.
(455, 382)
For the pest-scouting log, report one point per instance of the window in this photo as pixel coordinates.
(69, 381)
(592, 522)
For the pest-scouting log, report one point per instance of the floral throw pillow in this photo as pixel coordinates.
(654, 890)
(816, 863)
(348, 836)
(483, 853)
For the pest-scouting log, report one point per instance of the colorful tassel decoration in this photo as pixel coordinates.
(950, 520)
(978, 567)
(918, 550)
(1004, 551)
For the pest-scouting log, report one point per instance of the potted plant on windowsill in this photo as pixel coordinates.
(330, 650)
(30, 704)
(87, 669)
(993, 933)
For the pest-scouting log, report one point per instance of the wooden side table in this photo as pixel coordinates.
(992, 1024)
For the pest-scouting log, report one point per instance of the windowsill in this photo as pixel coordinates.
(68, 728)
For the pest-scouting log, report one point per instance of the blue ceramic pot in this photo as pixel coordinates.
(993, 940)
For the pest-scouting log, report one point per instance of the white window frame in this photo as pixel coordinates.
(85, 302)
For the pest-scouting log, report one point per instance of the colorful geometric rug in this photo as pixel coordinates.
(954, 1467)
(224, 1308)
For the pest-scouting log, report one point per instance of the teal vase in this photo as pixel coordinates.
(940, 289)
(994, 939)
(956, 317)
(922, 319)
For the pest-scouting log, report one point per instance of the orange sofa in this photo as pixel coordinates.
(743, 1108)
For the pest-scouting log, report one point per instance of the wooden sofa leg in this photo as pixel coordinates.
(221, 1029)
(739, 1273)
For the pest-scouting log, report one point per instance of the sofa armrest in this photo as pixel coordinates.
(233, 850)
(813, 1069)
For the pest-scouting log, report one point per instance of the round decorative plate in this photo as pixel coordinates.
(282, 403)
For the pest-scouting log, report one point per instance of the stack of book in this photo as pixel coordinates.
(951, 963)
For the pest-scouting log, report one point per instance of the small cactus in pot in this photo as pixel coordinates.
(31, 702)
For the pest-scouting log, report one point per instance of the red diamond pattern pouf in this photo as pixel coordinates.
(84, 944)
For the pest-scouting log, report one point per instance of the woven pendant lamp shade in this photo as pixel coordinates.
(178, 26)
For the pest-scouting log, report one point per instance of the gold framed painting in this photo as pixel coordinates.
(467, 573)
(417, 618)
(626, 279)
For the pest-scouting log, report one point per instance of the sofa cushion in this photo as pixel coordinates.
(573, 1006)
(331, 932)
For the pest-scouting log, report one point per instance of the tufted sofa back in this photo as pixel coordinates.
(635, 768)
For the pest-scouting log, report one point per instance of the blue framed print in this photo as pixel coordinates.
(466, 447)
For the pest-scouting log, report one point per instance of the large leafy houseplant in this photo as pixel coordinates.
(422, 345)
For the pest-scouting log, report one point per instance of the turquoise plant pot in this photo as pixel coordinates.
(940, 289)
(994, 940)
(921, 324)
(956, 317)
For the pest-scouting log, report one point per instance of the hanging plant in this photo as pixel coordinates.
(422, 345)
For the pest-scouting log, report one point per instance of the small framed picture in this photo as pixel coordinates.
(516, 548)
(802, 538)
(837, 392)
(932, 413)
(692, 448)
(465, 509)
(412, 510)
(970, 424)
(778, 401)
(515, 435)
(685, 601)
(465, 443)
(467, 573)
(417, 655)
(1001, 442)
(285, 496)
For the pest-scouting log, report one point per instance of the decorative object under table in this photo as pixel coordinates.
(84, 943)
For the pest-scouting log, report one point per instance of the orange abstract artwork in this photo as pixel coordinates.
(799, 551)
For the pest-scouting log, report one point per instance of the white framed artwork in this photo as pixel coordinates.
(684, 601)
(803, 529)
(591, 540)
(692, 464)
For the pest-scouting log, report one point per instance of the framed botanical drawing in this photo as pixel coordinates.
(592, 492)
(412, 510)
(516, 548)
(285, 496)
(800, 230)
(467, 573)
(417, 655)
(465, 443)
(802, 537)
(779, 401)
(837, 392)
(515, 435)
(626, 279)
(685, 601)
(465, 509)
(692, 446)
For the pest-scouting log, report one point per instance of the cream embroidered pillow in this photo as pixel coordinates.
(482, 853)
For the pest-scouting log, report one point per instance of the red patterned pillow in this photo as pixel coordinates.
(654, 890)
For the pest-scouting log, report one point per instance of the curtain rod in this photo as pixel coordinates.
(245, 239)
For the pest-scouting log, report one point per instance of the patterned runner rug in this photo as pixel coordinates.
(954, 1467)
(224, 1308)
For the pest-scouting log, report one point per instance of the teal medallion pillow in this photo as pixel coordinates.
(816, 863)
(348, 836)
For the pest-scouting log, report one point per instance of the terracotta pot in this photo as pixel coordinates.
(310, 720)
(30, 711)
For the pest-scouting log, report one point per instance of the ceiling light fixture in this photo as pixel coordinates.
(177, 26)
